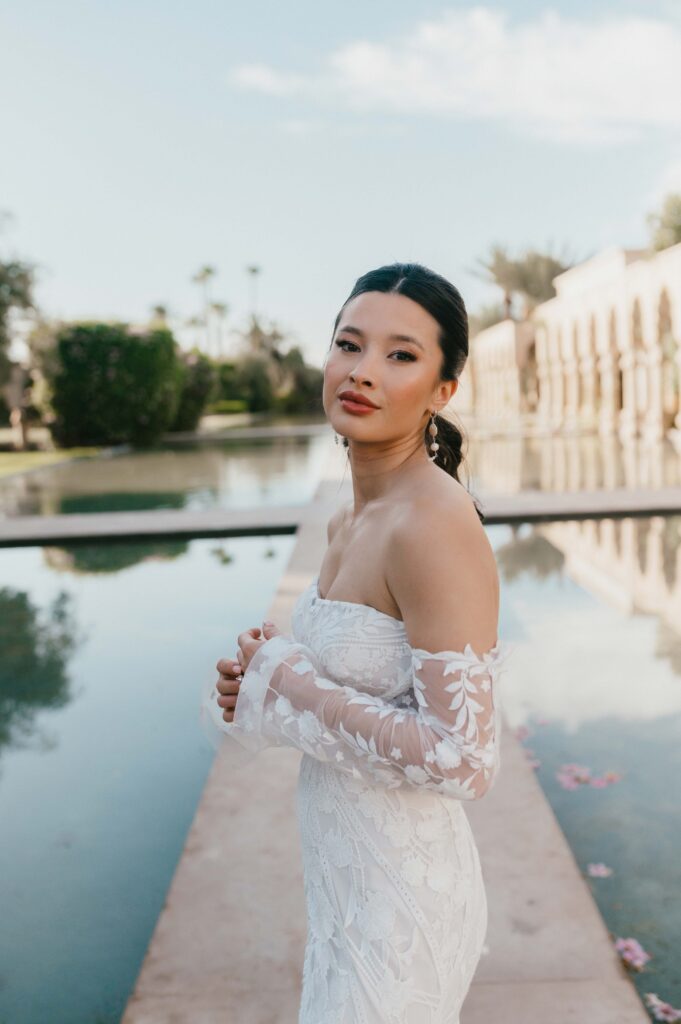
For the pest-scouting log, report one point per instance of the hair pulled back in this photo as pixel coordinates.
(444, 303)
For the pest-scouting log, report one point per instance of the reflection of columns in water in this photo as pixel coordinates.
(581, 462)
(633, 563)
(610, 460)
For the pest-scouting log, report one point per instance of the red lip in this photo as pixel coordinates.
(355, 396)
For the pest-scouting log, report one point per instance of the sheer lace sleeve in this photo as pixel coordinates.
(448, 742)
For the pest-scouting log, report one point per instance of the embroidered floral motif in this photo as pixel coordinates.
(395, 740)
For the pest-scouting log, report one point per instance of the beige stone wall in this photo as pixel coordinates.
(603, 355)
(501, 365)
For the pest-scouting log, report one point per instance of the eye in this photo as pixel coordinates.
(400, 352)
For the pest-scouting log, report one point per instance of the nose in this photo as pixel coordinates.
(360, 373)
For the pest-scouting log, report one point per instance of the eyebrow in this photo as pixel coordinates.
(392, 337)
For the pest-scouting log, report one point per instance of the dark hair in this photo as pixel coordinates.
(444, 303)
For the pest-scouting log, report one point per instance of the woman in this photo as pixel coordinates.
(388, 682)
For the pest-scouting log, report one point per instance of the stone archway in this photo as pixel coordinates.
(530, 380)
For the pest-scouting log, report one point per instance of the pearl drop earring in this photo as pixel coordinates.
(432, 430)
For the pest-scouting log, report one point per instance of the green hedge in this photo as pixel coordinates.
(199, 380)
(113, 386)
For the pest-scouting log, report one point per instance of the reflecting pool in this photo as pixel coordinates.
(225, 474)
(103, 654)
(506, 465)
(593, 609)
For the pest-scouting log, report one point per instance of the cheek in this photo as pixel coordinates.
(333, 371)
(405, 389)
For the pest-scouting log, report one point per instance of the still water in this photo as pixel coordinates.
(191, 476)
(238, 473)
(594, 611)
(103, 653)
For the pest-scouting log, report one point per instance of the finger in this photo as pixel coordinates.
(228, 716)
(248, 634)
(226, 686)
(228, 702)
(228, 666)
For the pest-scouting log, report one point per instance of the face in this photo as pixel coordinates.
(386, 349)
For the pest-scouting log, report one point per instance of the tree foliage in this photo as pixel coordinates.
(529, 275)
(113, 386)
(665, 223)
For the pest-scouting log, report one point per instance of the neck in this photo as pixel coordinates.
(381, 469)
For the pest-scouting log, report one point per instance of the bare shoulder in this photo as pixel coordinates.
(337, 520)
(441, 570)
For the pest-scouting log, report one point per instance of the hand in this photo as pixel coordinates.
(231, 671)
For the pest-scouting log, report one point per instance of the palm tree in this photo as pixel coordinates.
(160, 315)
(203, 277)
(502, 271)
(17, 280)
(254, 270)
(529, 275)
(220, 309)
(665, 224)
(196, 322)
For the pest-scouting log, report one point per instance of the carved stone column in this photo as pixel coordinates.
(607, 413)
(589, 377)
(653, 426)
(571, 376)
(626, 426)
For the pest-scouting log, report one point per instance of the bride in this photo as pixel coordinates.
(388, 681)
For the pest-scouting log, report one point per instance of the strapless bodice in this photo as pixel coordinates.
(355, 644)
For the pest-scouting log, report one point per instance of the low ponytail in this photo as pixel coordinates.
(450, 454)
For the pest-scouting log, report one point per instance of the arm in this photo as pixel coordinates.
(449, 741)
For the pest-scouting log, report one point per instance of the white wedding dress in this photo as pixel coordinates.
(394, 739)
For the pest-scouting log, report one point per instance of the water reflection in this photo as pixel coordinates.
(589, 462)
(110, 556)
(528, 553)
(93, 827)
(225, 474)
(595, 679)
(35, 648)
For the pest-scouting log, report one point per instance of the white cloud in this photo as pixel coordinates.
(595, 81)
(260, 78)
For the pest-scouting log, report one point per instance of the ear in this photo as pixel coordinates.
(445, 391)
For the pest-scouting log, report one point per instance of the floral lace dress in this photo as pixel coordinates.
(394, 739)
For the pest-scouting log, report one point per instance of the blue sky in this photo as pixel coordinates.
(142, 140)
